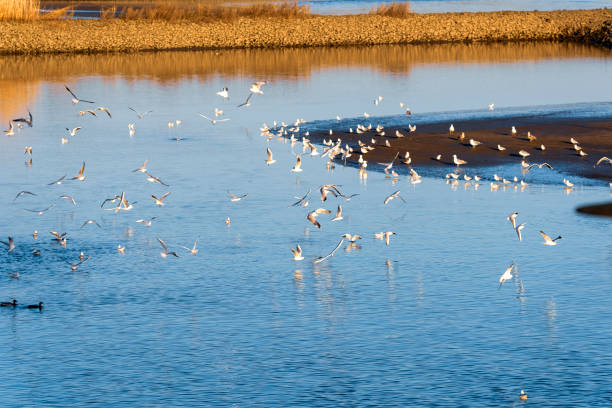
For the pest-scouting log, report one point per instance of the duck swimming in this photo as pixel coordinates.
(38, 306)
(7, 304)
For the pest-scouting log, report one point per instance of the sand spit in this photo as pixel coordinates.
(116, 35)
(430, 140)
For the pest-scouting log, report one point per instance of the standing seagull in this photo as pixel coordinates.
(548, 241)
(76, 100)
(165, 253)
(458, 161)
(224, 93)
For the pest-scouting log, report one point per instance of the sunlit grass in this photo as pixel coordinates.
(19, 9)
(392, 9)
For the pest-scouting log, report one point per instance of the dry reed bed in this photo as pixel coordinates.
(114, 35)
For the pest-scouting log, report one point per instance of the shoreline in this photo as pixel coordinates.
(117, 35)
(429, 140)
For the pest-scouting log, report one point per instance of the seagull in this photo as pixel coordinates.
(235, 197)
(523, 396)
(507, 275)
(213, 121)
(165, 253)
(548, 241)
(131, 129)
(74, 266)
(41, 212)
(301, 201)
(513, 130)
(500, 148)
(458, 161)
(74, 131)
(224, 93)
(518, 231)
(105, 110)
(321, 259)
(574, 141)
(66, 197)
(524, 153)
(539, 166)
(160, 201)
(11, 130)
(120, 249)
(270, 160)
(603, 159)
(312, 216)
(512, 219)
(568, 183)
(140, 115)
(297, 253)
(384, 235)
(91, 222)
(474, 143)
(10, 244)
(256, 87)
(451, 129)
(351, 238)
(246, 103)
(491, 106)
(193, 250)
(27, 120)
(298, 165)
(76, 100)
(80, 176)
(152, 179)
(141, 169)
(21, 193)
(392, 196)
(85, 112)
(148, 222)
(58, 237)
(338, 216)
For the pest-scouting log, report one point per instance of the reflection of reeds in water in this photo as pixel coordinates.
(287, 62)
(17, 96)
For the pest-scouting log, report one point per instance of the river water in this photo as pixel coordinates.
(421, 322)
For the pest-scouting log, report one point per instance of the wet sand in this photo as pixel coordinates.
(429, 140)
(117, 35)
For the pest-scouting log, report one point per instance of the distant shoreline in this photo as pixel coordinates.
(430, 140)
(117, 35)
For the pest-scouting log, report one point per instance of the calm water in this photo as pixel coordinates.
(241, 324)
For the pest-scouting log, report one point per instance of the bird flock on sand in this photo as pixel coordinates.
(332, 150)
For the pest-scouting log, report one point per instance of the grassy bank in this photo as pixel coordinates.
(115, 35)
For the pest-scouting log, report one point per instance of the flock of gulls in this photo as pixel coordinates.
(333, 150)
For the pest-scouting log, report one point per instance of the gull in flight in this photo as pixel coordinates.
(224, 93)
(11, 130)
(394, 195)
(80, 176)
(338, 216)
(61, 238)
(507, 275)
(298, 165)
(519, 228)
(235, 197)
(270, 160)
(85, 112)
(160, 201)
(140, 115)
(297, 253)
(512, 219)
(41, 212)
(91, 222)
(193, 250)
(165, 253)
(27, 120)
(603, 159)
(213, 121)
(384, 235)
(351, 238)
(256, 87)
(74, 131)
(312, 216)
(152, 179)
(67, 197)
(301, 201)
(76, 100)
(548, 241)
(141, 169)
(21, 193)
(74, 266)
(246, 103)
(148, 222)
(105, 110)
(10, 245)
(321, 259)
(539, 166)
(458, 161)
